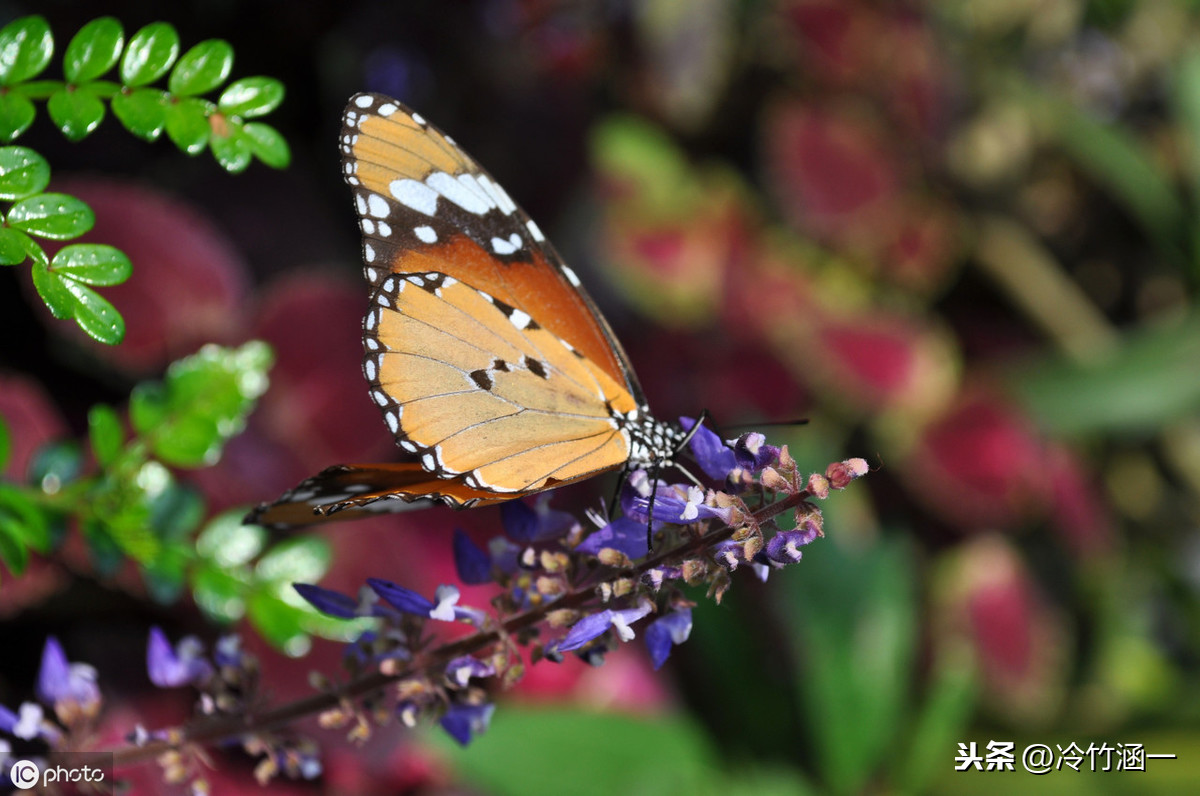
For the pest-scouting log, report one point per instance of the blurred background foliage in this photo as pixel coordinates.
(961, 237)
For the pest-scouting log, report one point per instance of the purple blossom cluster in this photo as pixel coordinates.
(564, 586)
(583, 586)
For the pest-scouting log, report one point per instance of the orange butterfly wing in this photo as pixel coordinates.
(492, 367)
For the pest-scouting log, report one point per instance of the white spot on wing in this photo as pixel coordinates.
(392, 420)
(505, 201)
(364, 101)
(419, 119)
(377, 206)
(360, 202)
(385, 229)
(458, 193)
(387, 109)
(519, 318)
(368, 252)
(535, 231)
(370, 369)
(425, 234)
(571, 276)
(368, 226)
(429, 462)
(501, 246)
(415, 195)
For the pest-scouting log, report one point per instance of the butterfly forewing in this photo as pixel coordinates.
(485, 356)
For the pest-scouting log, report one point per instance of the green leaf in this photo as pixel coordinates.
(166, 573)
(1150, 380)
(95, 314)
(148, 406)
(13, 246)
(106, 554)
(13, 551)
(105, 433)
(523, 750)
(942, 720)
(16, 114)
(92, 263)
(22, 172)
(856, 636)
(52, 215)
(251, 96)
(187, 124)
(220, 592)
(150, 53)
(143, 111)
(25, 48)
(267, 144)
(203, 403)
(229, 543)
(40, 89)
(30, 518)
(304, 559)
(202, 68)
(281, 624)
(53, 290)
(76, 111)
(176, 512)
(232, 148)
(93, 50)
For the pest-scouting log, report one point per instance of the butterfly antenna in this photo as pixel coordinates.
(803, 421)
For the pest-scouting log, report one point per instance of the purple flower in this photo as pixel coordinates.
(463, 722)
(473, 565)
(505, 555)
(624, 534)
(228, 651)
(677, 503)
(183, 665)
(408, 601)
(460, 670)
(329, 602)
(784, 547)
(67, 686)
(729, 553)
(711, 453)
(666, 631)
(538, 524)
(28, 723)
(596, 625)
(752, 452)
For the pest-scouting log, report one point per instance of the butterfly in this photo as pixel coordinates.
(492, 367)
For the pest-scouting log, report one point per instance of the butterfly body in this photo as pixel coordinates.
(493, 369)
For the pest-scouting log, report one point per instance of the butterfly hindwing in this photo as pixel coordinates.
(351, 491)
